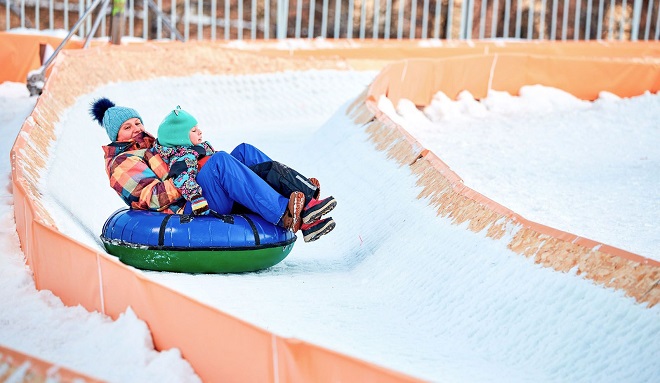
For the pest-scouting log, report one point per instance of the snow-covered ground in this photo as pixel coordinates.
(589, 168)
(392, 284)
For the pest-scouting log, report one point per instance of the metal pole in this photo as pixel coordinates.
(649, 12)
(463, 27)
(282, 18)
(165, 19)
(36, 80)
(376, 20)
(99, 16)
(637, 13)
(413, 19)
(253, 27)
(310, 28)
(298, 18)
(493, 25)
(576, 27)
(587, 27)
(482, 18)
(71, 32)
(324, 19)
(507, 16)
(337, 18)
(363, 19)
(553, 21)
(425, 19)
(450, 16)
(519, 19)
(436, 26)
(349, 22)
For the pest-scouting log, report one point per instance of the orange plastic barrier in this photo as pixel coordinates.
(221, 348)
(393, 49)
(20, 54)
(419, 79)
(15, 364)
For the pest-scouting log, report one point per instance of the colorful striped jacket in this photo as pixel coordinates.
(138, 175)
(185, 159)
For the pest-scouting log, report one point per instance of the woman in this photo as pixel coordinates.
(230, 181)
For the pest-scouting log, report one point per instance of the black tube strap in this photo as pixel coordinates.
(257, 242)
(161, 231)
(226, 218)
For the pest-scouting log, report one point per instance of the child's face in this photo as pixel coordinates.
(129, 129)
(195, 135)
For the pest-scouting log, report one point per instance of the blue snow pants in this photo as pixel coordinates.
(227, 179)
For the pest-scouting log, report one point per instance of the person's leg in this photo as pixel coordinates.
(225, 180)
(249, 155)
(285, 181)
(280, 177)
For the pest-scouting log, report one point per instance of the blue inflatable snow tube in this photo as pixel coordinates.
(195, 244)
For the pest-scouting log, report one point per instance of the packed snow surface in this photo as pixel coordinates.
(588, 168)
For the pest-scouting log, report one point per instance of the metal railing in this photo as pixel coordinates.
(354, 19)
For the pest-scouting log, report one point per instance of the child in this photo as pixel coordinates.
(248, 178)
(181, 146)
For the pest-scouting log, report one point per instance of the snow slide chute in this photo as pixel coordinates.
(86, 276)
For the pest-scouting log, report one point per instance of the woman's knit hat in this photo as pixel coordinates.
(110, 116)
(175, 128)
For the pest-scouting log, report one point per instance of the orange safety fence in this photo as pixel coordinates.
(389, 50)
(20, 54)
(16, 366)
(220, 347)
(419, 79)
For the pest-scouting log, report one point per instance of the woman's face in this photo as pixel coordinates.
(195, 135)
(129, 129)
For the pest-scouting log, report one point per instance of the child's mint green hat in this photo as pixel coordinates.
(175, 128)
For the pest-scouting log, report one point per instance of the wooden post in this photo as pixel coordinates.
(117, 21)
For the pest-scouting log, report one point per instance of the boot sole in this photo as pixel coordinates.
(316, 215)
(311, 237)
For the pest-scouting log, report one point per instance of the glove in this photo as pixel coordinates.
(176, 169)
(199, 206)
(200, 150)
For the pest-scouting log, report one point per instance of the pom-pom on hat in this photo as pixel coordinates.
(175, 128)
(110, 116)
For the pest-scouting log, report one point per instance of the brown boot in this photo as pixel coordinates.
(291, 218)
